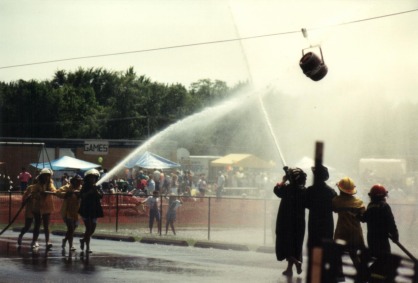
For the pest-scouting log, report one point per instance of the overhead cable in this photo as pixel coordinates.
(202, 43)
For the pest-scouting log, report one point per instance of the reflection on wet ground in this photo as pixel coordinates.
(137, 262)
(79, 262)
(134, 262)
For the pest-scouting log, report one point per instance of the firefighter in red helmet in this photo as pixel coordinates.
(378, 191)
(381, 227)
(380, 222)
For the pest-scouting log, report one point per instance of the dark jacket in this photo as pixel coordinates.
(321, 222)
(290, 225)
(380, 223)
(90, 206)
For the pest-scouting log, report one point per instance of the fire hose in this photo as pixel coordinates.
(17, 214)
(408, 253)
(20, 210)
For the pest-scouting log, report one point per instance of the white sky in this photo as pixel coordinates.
(380, 52)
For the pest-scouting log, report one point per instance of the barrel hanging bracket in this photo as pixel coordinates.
(305, 35)
(311, 65)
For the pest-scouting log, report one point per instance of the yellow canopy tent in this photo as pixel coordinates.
(242, 160)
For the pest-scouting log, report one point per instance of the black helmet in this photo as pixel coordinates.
(296, 175)
(321, 173)
(75, 178)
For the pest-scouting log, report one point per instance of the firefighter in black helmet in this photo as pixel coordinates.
(290, 225)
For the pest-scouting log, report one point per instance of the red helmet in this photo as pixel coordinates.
(378, 191)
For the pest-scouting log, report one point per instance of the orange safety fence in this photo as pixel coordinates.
(194, 211)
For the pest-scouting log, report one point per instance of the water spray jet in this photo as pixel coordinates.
(263, 109)
(270, 127)
(208, 115)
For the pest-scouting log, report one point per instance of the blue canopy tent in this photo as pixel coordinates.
(66, 163)
(149, 160)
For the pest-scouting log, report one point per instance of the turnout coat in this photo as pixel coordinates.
(71, 203)
(321, 222)
(380, 224)
(290, 225)
(42, 200)
(349, 209)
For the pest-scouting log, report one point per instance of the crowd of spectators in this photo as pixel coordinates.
(143, 182)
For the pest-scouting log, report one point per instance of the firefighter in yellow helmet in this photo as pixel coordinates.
(349, 209)
(69, 209)
(42, 205)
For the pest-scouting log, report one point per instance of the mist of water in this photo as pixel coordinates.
(278, 126)
(186, 131)
(273, 123)
(362, 108)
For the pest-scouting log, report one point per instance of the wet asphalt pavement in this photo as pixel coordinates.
(119, 261)
(115, 261)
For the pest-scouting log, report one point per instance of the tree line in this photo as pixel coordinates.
(100, 104)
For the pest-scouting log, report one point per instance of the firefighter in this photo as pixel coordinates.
(381, 227)
(42, 205)
(290, 225)
(90, 206)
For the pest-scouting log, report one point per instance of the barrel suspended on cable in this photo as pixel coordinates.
(313, 66)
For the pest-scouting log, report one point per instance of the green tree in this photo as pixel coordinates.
(123, 118)
(79, 112)
(206, 92)
(96, 103)
(29, 110)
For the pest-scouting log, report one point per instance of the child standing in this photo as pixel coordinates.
(173, 204)
(154, 212)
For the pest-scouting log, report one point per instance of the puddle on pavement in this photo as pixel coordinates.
(39, 260)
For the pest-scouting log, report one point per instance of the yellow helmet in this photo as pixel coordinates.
(346, 185)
